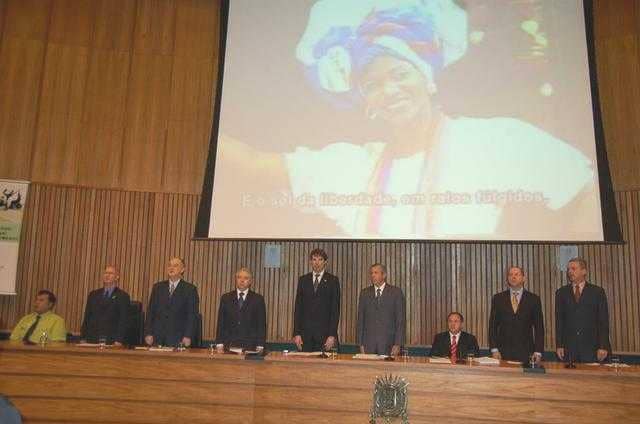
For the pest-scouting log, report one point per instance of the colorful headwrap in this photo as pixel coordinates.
(343, 37)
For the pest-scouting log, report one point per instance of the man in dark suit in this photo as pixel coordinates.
(317, 307)
(516, 325)
(582, 318)
(455, 343)
(381, 319)
(107, 311)
(173, 309)
(242, 317)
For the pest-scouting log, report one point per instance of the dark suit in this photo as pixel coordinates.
(516, 335)
(316, 312)
(582, 328)
(467, 343)
(381, 323)
(169, 319)
(106, 316)
(244, 327)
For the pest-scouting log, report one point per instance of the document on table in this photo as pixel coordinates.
(305, 354)
(487, 360)
(90, 345)
(617, 365)
(439, 360)
(369, 356)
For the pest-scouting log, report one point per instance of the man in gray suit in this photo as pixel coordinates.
(381, 320)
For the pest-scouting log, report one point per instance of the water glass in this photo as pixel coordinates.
(44, 339)
(615, 362)
(470, 357)
(404, 354)
(102, 342)
(334, 352)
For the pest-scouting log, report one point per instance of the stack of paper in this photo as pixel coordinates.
(487, 360)
(617, 365)
(161, 349)
(305, 354)
(439, 360)
(369, 356)
(90, 345)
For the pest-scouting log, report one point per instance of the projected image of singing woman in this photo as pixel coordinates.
(432, 176)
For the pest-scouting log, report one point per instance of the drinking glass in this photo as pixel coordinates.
(470, 357)
(44, 339)
(334, 352)
(615, 362)
(404, 354)
(102, 342)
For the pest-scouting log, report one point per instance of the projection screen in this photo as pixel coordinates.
(407, 120)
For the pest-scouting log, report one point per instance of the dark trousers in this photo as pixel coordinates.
(313, 343)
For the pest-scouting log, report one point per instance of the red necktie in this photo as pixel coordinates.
(454, 349)
(576, 293)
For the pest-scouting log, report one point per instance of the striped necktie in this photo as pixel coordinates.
(454, 349)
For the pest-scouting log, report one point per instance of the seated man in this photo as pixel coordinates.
(455, 343)
(242, 317)
(107, 311)
(32, 326)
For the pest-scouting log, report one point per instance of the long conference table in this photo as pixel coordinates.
(63, 383)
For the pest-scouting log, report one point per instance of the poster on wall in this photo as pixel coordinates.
(13, 195)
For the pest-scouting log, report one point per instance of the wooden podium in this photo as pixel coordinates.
(64, 383)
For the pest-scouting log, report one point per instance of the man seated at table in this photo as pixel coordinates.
(455, 343)
(107, 310)
(242, 316)
(41, 321)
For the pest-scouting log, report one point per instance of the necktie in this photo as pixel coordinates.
(454, 349)
(378, 294)
(514, 302)
(316, 282)
(172, 288)
(107, 293)
(576, 293)
(240, 300)
(31, 329)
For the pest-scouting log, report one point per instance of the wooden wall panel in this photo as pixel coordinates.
(103, 114)
(22, 52)
(617, 42)
(71, 233)
(141, 75)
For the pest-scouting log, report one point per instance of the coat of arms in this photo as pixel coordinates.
(390, 399)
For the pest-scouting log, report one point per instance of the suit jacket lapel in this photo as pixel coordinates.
(523, 301)
(507, 301)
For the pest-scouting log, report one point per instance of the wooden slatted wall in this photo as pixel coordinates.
(71, 233)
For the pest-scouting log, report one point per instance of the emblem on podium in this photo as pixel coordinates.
(390, 399)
